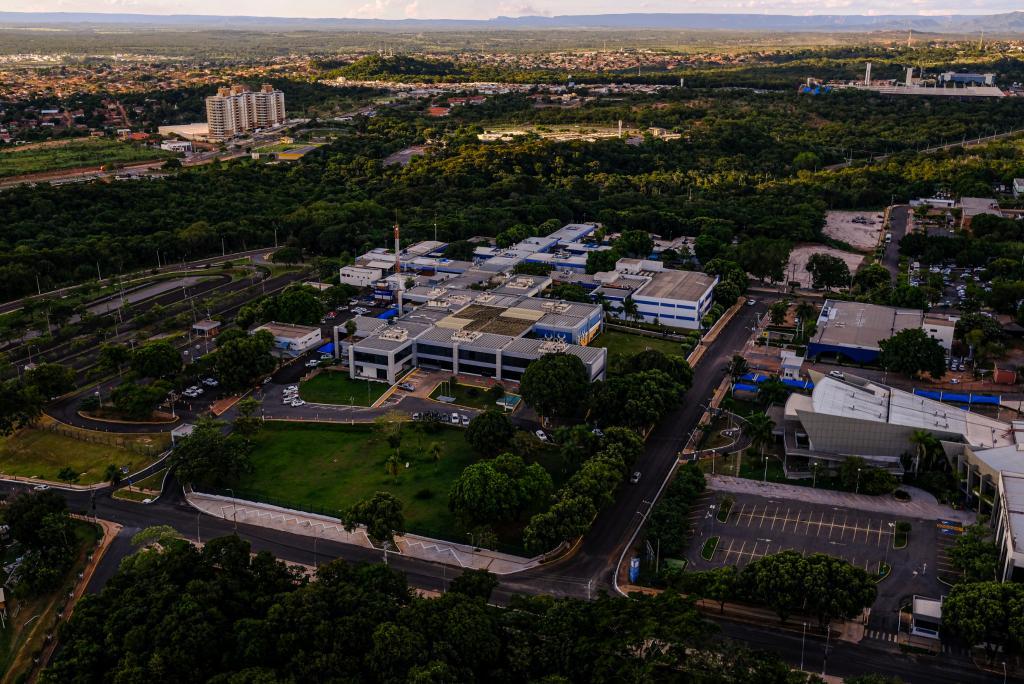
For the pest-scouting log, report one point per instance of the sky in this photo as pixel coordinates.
(484, 9)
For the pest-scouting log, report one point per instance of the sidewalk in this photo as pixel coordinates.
(326, 527)
(922, 505)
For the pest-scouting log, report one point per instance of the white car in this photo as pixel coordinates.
(292, 388)
(298, 402)
(541, 435)
(312, 363)
(635, 477)
(465, 421)
(210, 382)
(41, 487)
(455, 419)
(837, 374)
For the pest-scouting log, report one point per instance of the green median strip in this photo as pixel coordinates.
(708, 550)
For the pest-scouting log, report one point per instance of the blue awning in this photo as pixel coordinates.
(327, 348)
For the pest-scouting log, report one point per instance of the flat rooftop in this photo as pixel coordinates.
(511, 322)
(685, 286)
(287, 329)
(860, 325)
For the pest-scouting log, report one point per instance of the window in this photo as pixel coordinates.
(366, 357)
(434, 350)
(471, 355)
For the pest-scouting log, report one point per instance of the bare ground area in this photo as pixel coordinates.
(796, 269)
(840, 225)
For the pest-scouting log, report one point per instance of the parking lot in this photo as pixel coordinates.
(757, 527)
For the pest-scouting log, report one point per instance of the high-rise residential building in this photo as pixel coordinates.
(237, 110)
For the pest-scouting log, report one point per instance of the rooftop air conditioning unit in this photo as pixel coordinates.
(553, 346)
(395, 334)
(465, 335)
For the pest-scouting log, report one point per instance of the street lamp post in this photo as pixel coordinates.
(857, 490)
(234, 509)
(814, 477)
(803, 638)
(199, 539)
(765, 467)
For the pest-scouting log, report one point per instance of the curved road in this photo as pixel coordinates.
(582, 575)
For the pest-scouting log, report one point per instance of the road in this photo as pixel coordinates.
(583, 575)
(599, 554)
(928, 150)
(899, 221)
(127, 280)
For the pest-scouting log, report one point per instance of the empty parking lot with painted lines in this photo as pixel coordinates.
(756, 527)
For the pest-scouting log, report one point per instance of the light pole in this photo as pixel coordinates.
(316, 538)
(198, 538)
(234, 509)
(857, 490)
(814, 477)
(803, 638)
(765, 467)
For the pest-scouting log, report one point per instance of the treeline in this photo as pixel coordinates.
(175, 613)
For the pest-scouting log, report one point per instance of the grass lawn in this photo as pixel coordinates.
(74, 154)
(38, 452)
(621, 344)
(154, 482)
(330, 467)
(332, 387)
(708, 549)
(132, 495)
(469, 396)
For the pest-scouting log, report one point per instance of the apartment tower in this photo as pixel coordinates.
(236, 110)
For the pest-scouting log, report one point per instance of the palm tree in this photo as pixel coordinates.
(112, 475)
(435, 450)
(393, 465)
(630, 308)
(926, 446)
(805, 311)
(738, 367)
(759, 429)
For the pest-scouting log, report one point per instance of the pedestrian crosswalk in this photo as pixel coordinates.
(879, 635)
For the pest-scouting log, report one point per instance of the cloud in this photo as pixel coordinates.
(509, 9)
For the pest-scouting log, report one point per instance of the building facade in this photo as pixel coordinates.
(237, 110)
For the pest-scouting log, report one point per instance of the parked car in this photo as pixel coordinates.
(635, 477)
(292, 388)
(41, 487)
(417, 415)
(955, 381)
(465, 421)
(210, 382)
(455, 419)
(541, 435)
(407, 386)
(298, 402)
(837, 374)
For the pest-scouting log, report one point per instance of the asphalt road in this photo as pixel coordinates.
(599, 554)
(899, 218)
(582, 575)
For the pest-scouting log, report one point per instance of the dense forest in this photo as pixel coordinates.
(180, 614)
(747, 165)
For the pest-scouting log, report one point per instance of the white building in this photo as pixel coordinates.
(1018, 187)
(360, 276)
(183, 146)
(679, 299)
(291, 340)
(236, 110)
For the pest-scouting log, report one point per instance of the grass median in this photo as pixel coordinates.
(334, 387)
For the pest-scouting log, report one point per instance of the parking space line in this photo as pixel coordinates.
(764, 514)
(831, 525)
(751, 518)
(727, 552)
(740, 516)
(739, 554)
(867, 532)
(880, 526)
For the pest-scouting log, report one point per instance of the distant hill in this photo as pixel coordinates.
(993, 24)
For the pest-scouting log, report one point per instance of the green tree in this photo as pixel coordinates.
(298, 304)
(112, 475)
(635, 243)
(856, 475)
(249, 422)
(209, 457)
(156, 360)
(68, 474)
(759, 429)
(986, 613)
(772, 391)
(240, 362)
(475, 583)
(764, 258)
(556, 386)
(738, 367)
(381, 514)
(137, 402)
(113, 356)
(51, 379)
(828, 271)
(489, 432)
(975, 554)
(912, 351)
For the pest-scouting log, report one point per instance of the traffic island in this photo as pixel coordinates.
(708, 549)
